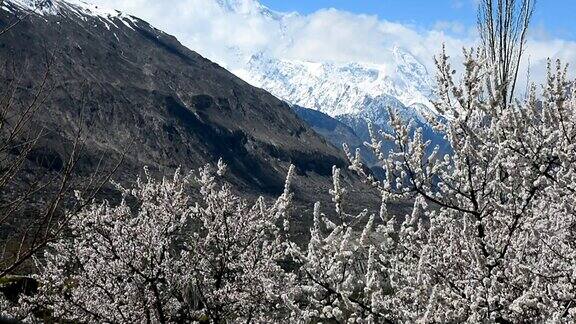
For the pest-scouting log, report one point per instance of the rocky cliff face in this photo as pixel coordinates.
(130, 85)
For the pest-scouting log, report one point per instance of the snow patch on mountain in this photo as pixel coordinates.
(80, 8)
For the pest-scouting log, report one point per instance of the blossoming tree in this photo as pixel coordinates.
(159, 257)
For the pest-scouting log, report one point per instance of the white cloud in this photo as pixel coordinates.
(454, 27)
(226, 36)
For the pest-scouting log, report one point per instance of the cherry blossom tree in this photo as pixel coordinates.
(119, 264)
(162, 257)
(491, 234)
(490, 237)
(337, 278)
(233, 255)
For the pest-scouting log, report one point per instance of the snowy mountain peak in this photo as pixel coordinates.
(38, 6)
(333, 87)
(330, 86)
(342, 88)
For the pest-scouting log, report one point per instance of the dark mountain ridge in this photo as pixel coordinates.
(337, 133)
(131, 85)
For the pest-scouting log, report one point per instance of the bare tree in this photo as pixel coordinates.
(503, 27)
(32, 198)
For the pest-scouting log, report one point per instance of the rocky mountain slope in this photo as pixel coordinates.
(130, 85)
(337, 132)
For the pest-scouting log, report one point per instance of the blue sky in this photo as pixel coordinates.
(553, 18)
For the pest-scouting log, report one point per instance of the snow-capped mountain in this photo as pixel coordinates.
(354, 93)
(346, 90)
(332, 87)
(343, 88)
